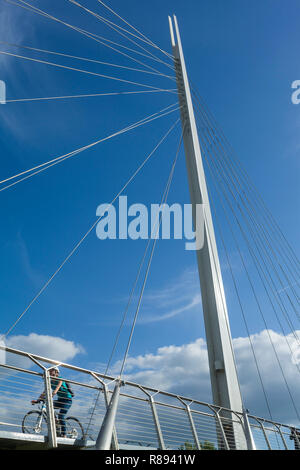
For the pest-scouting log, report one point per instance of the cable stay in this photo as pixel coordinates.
(257, 238)
(91, 95)
(264, 259)
(154, 234)
(53, 64)
(77, 246)
(236, 167)
(114, 27)
(86, 59)
(44, 166)
(152, 239)
(255, 216)
(99, 39)
(262, 234)
(209, 151)
(254, 237)
(141, 35)
(261, 270)
(217, 185)
(241, 307)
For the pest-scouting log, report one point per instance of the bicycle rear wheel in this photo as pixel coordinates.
(74, 429)
(34, 423)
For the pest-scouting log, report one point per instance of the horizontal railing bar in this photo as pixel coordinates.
(6, 366)
(81, 384)
(130, 404)
(141, 432)
(137, 418)
(10, 383)
(180, 408)
(189, 430)
(138, 438)
(263, 420)
(256, 426)
(8, 424)
(177, 434)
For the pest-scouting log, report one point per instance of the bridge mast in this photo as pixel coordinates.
(224, 380)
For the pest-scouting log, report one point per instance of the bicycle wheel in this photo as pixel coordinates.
(34, 423)
(74, 429)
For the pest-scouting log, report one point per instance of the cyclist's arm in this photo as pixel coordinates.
(41, 397)
(57, 388)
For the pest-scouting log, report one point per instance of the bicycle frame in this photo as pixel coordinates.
(43, 409)
(43, 415)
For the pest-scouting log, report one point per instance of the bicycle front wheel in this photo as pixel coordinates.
(74, 429)
(34, 423)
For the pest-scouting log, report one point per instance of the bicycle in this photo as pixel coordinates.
(35, 422)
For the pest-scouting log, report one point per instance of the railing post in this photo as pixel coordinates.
(265, 434)
(105, 435)
(156, 420)
(157, 424)
(115, 443)
(224, 437)
(248, 433)
(189, 413)
(193, 427)
(52, 440)
(282, 438)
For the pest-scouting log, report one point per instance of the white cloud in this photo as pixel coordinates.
(47, 346)
(184, 370)
(172, 368)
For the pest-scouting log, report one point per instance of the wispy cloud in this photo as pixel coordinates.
(15, 27)
(180, 295)
(30, 271)
(196, 300)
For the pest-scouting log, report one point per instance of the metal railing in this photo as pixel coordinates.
(146, 418)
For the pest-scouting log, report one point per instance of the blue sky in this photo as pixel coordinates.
(242, 57)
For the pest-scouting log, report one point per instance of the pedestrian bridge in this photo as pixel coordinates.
(147, 418)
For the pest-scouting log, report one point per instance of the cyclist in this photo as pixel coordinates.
(64, 398)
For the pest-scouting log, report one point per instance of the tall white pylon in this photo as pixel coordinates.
(224, 380)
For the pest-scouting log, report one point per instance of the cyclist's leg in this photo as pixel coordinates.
(56, 406)
(64, 408)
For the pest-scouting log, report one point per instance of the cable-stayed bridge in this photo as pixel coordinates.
(110, 411)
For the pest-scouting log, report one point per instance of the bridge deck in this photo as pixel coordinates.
(20, 441)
